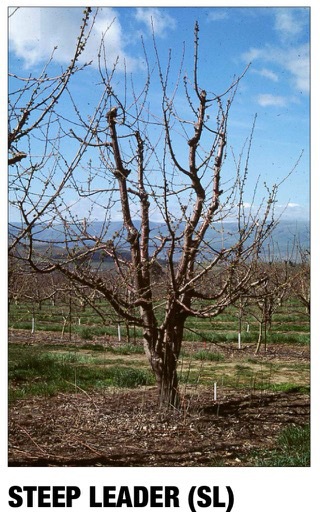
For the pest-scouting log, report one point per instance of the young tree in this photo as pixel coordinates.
(137, 159)
(300, 278)
(265, 300)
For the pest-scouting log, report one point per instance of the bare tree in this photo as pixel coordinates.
(33, 116)
(137, 160)
(300, 279)
(266, 299)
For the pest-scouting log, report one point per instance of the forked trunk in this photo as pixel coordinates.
(163, 353)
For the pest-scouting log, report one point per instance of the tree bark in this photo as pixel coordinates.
(162, 347)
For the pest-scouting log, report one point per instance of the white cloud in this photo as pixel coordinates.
(25, 36)
(290, 23)
(267, 73)
(293, 211)
(253, 54)
(35, 31)
(294, 60)
(298, 65)
(286, 23)
(108, 26)
(217, 14)
(271, 100)
(155, 20)
(290, 55)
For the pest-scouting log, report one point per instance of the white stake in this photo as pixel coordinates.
(119, 332)
(215, 391)
(248, 327)
(239, 340)
(32, 325)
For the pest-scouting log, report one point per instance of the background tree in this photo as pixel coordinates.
(265, 300)
(300, 278)
(137, 158)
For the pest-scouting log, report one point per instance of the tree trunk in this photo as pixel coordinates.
(259, 338)
(167, 381)
(163, 352)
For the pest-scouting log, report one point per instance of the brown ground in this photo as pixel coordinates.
(126, 427)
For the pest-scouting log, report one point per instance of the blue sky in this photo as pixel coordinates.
(276, 87)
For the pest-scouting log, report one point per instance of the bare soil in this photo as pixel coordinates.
(126, 427)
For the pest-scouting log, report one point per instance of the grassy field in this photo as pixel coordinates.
(49, 369)
(83, 353)
(59, 354)
(289, 325)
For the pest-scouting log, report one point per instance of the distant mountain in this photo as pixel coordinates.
(285, 235)
(56, 233)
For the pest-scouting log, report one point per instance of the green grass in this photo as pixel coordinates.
(288, 327)
(122, 349)
(293, 449)
(52, 368)
(130, 377)
(283, 387)
(126, 349)
(97, 347)
(293, 318)
(85, 333)
(290, 324)
(191, 377)
(34, 371)
(289, 338)
(245, 377)
(49, 369)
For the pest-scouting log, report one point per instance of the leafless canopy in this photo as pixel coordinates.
(137, 158)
